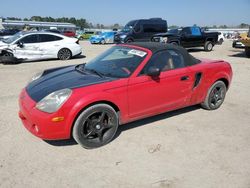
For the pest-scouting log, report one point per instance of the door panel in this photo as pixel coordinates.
(148, 96)
(28, 51)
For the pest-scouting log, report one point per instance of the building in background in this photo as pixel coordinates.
(14, 24)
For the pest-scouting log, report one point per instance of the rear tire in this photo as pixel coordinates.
(208, 46)
(221, 41)
(64, 54)
(129, 40)
(215, 96)
(95, 126)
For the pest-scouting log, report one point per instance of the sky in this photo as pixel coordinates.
(109, 12)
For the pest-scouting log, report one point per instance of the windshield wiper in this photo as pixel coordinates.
(80, 68)
(95, 72)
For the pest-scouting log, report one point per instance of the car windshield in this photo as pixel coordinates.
(117, 62)
(13, 38)
(129, 26)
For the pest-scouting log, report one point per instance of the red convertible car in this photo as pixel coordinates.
(124, 84)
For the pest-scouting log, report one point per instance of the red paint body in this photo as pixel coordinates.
(69, 33)
(136, 97)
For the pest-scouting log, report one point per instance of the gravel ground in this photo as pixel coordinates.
(191, 147)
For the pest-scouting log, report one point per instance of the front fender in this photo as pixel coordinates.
(92, 98)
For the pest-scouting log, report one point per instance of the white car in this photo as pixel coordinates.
(29, 46)
(221, 38)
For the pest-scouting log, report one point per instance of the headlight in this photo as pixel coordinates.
(123, 36)
(36, 76)
(164, 39)
(52, 102)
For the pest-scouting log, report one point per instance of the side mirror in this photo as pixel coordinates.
(153, 71)
(20, 44)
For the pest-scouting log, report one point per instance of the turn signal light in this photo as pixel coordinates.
(57, 119)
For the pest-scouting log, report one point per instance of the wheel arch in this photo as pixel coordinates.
(226, 82)
(112, 104)
(211, 40)
(175, 41)
(129, 38)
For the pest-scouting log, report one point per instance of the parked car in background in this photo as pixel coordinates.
(221, 38)
(126, 83)
(29, 46)
(103, 38)
(53, 31)
(6, 33)
(141, 30)
(88, 34)
(69, 33)
(237, 43)
(189, 37)
(246, 41)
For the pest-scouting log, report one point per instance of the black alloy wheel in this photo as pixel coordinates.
(95, 126)
(215, 96)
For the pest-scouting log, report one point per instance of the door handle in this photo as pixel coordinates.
(183, 78)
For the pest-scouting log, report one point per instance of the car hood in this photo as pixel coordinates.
(61, 78)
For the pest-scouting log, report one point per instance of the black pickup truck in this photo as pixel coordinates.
(188, 37)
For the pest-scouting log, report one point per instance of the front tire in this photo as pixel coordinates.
(64, 54)
(102, 42)
(208, 47)
(215, 96)
(95, 126)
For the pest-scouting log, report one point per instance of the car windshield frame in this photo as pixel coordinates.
(117, 62)
(13, 38)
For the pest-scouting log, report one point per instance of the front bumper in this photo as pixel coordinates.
(40, 123)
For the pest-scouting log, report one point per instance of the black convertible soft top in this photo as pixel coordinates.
(157, 46)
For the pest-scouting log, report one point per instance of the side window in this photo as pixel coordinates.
(49, 38)
(148, 28)
(186, 31)
(165, 60)
(177, 59)
(29, 39)
(153, 28)
(196, 31)
(159, 60)
(137, 27)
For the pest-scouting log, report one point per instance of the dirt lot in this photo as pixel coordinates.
(186, 148)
